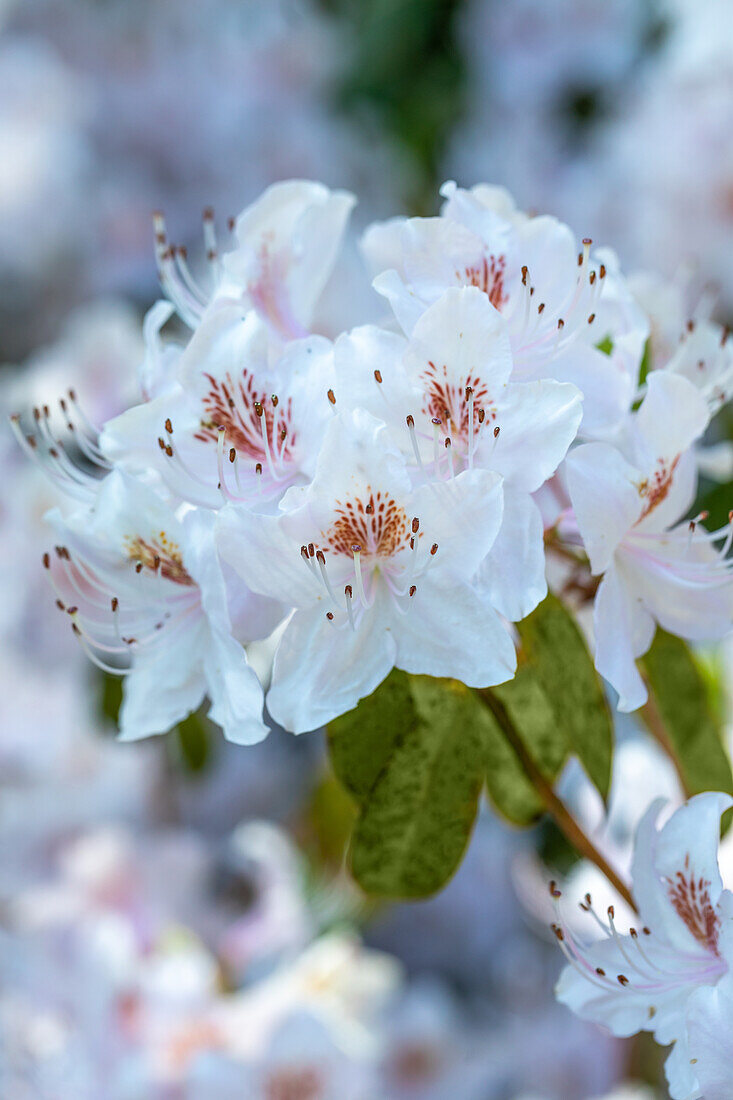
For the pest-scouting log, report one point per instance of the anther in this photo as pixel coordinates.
(329, 616)
(555, 892)
(169, 425)
(46, 561)
(413, 589)
(332, 397)
(622, 979)
(415, 525)
(591, 319)
(434, 549)
(378, 377)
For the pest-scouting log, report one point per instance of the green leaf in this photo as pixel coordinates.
(688, 728)
(361, 742)
(555, 650)
(418, 786)
(605, 345)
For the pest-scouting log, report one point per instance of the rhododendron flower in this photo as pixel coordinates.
(645, 981)
(147, 599)
(286, 246)
(239, 424)
(553, 297)
(629, 509)
(379, 574)
(449, 401)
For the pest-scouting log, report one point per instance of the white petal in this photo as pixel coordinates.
(321, 670)
(165, 688)
(604, 491)
(538, 421)
(606, 387)
(623, 631)
(513, 574)
(710, 1038)
(464, 517)
(236, 694)
(463, 334)
(266, 557)
(672, 416)
(357, 355)
(454, 632)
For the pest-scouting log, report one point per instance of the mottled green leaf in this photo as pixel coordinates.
(416, 822)
(555, 650)
(361, 742)
(680, 716)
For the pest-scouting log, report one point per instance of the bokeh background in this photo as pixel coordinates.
(175, 919)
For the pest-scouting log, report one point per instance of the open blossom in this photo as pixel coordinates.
(449, 401)
(286, 246)
(237, 424)
(629, 508)
(559, 303)
(646, 980)
(378, 572)
(147, 600)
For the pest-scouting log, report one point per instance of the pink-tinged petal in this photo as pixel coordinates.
(604, 491)
(684, 583)
(454, 632)
(513, 573)
(461, 341)
(676, 877)
(538, 421)
(322, 668)
(288, 243)
(671, 417)
(623, 631)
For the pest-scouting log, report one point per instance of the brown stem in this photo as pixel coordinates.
(554, 805)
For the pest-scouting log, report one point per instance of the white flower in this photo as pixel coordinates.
(450, 404)
(243, 420)
(147, 599)
(628, 510)
(644, 981)
(553, 297)
(378, 573)
(287, 244)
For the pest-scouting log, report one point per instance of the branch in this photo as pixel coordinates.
(554, 805)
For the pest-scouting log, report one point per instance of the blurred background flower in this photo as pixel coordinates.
(175, 918)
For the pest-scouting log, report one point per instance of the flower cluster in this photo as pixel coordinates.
(387, 498)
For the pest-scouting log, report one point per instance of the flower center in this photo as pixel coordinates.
(377, 525)
(691, 899)
(456, 405)
(488, 275)
(254, 423)
(159, 555)
(655, 489)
